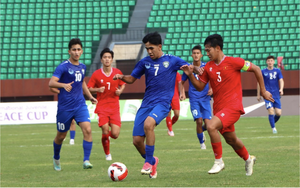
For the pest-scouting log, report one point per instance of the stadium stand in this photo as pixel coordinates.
(251, 29)
(34, 33)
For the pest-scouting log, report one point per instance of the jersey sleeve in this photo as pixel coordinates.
(179, 62)
(92, 81)
(279, 75)
(241, 64)
(58, 71)
(204, 77)
(184, 77)
(138, 70)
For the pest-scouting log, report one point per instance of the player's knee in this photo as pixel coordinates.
(114, 135)
(231, 141)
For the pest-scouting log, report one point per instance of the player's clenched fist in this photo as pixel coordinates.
(68, 87)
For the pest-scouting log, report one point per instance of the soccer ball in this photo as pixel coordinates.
(117, 171)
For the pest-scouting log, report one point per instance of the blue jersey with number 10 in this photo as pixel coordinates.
(160, 77)
(67, 73)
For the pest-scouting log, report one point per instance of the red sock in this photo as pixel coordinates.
(169, 123)
(243, 153)
(217, 148)
(174, 119)
(105, 143)
(109, 134)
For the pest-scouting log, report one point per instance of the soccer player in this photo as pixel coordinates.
(160, 73)
(68, 77)
(108, 92)
(224, 74)
(73, 125)
(175, 105)
(199, 100)
(274, 83)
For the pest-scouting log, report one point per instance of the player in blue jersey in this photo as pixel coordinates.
(68, 77)
(274, 83)
(199, 100)
(160, 73)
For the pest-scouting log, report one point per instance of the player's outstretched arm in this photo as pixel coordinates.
(125, 78)
(188, 70)
(88, 93)
(258, 93)
(264, 93)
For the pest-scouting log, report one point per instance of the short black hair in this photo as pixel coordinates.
(74, 41)
(270, 57)
(153, 38)
(214, 40)
(106, 50)
(197, 47)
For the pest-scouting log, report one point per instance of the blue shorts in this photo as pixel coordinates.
(200, 109)
(275, 104)
(64, 118)
(158, 113)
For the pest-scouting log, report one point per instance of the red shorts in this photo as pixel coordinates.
(175, 104)
(228, 117)
(110, 118)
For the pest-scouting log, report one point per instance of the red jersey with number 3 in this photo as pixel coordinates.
(225, 80)
(108, 100)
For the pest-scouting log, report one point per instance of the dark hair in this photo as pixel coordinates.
(214, 40)
(153, 38)
(74, 41)
(106, 50)
(197, 47)
(270, 57)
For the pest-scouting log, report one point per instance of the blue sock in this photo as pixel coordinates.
(144, 156)
(72, 134)
(272, 121)
(56, 148)
(87, 148)
(149, 154)
(203, 128)
(276, 118)
(200, 137)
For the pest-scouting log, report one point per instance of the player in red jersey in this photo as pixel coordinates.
(175, 104)
(224, 75)
(108, 92)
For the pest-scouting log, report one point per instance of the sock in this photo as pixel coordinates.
(72, 134)
(143, 155)
(87, 148)
(149, 154)
(169, 123)
(200, 137)
(105, 143)
(174, 119)
(276, 118)
(203, 128)
(217, 148)
(109, 134)
(243, 153)
(272, 121)
(56, 149)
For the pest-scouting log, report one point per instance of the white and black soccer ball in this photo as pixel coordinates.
(117, 171)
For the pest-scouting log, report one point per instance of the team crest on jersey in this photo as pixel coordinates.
(210, 69)
(82, 70)
(101, 80)
(147, 65)
(71, 71)
(266, 74)
(166, 64)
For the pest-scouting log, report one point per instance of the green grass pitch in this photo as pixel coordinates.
(26, 157)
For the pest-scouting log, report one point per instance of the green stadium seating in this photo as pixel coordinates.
(33, 32)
